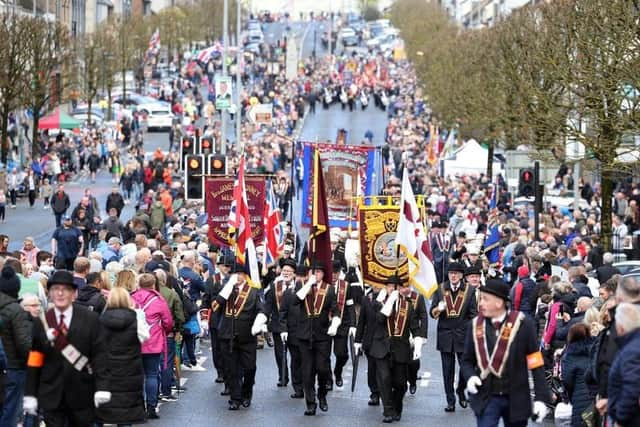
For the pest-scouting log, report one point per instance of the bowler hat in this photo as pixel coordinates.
(318, 265)
(302, 270)
(61, 277)
(288, 262)
(473, 269)
(496, 287)
(238, 268)
(456, 266)
(394, 280)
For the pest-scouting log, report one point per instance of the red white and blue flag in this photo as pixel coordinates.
(273, 229)
(240, 225)
(154, 45)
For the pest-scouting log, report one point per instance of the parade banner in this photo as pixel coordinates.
(223, 92)
(218, 198)
(378, 261)
(343, 166)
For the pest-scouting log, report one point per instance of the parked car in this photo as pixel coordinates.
(628, 267)
(96, 117)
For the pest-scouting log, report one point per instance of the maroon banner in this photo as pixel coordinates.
(218, 198)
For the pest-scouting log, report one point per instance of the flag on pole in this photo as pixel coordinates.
(320, 239)
(273, 230)
(412, 240)
(240, 226)
(154, 45)
(449, 145)
(492, 241)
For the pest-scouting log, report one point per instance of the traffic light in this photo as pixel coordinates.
(187, 147)
(217, 164)
(206, 146)
(194, 177)
(526, 184)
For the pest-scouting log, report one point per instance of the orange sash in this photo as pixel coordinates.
(453, 308)
(495, 363)
(341, 295)
(318, 301)
(238, 305)
(398, 320)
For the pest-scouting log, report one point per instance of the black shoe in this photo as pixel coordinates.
(311, 410)
(225, 392)
(178, 388)
(339, 382)
(462, 400)
(388, 419)
(450, 408)
(246, 403)
(412, 389)
(374, 400)
(233, 405)
(397, 417)
(297, 395)
(168, 398)
(322, 403)
(269, 340)
(219, 380)
(330, 386)
(152, 414)
(283, 383)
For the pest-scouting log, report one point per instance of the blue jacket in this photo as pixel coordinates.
(574, 364)
(528, 298)
(624, 381)
(193, 282)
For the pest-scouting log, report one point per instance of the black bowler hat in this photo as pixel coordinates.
(394, 280)
(238, 268)
(473, 269)
(337, 266)
(318, 265)
(302, 270)
(61, 277)
(456, 266)
(288, 263)
(496, 287)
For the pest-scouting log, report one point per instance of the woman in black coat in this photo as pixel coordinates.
(574, 364)
(123, 363)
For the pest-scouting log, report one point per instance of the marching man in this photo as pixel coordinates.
(242, 319)
(500, 351)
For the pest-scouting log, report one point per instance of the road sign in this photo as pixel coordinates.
(261, 114)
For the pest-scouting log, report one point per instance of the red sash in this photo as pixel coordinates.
(278, 290)
(341, 295)
(398, 320)
(60, 340)
(413, 297)
(241, 299)
(453, 308)
(318, 301)
(518, 296)
(495, 363)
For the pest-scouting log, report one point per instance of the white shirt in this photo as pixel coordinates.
(68, 313)
(499, 318)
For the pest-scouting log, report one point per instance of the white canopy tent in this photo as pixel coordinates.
(470, 159)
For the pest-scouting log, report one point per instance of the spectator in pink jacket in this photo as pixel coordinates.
(160, 322)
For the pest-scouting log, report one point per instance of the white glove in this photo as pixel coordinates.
(284, 336)
(352, 332)
(101, 397)
(540, 412)
(472, 384)
(333, 327)
(388, 306)
(30, 405)
(418, 342)
(228, 288)
(441, 306)
(417, 351)
(381, 295)
(304, 290)
(259, 325)
(357, 347)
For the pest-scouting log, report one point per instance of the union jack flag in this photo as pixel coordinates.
(273, 229)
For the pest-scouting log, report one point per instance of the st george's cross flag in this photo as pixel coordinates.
(412, 240)
(240, 225)
(273, 229)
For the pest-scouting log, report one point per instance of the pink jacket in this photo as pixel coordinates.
(158, 317)
(551, 323)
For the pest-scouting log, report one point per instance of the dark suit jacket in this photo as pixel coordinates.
(398, 348)
(57, 380)
(452, 330)
(240, 327)
(271, 306)
(366, 322)
(289, 316)
(315, 329)
(524, 343)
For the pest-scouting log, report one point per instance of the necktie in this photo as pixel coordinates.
(497, 324)
(62, 327)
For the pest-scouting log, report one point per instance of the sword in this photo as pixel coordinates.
(354, 363)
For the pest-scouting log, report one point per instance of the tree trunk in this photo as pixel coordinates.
(109, 112)
(35, 140)
(89, 103)
(490, 160)
(606, 191)
(4, 135)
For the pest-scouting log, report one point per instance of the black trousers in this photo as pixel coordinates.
(296, 365)
(448, 374)
(239, 368)
(412, 371)
(280, 352)
(216, 351)
(392, 383)
(341, 352)
(372, 381)
(66, 417)
(32, 197)
(316, 362)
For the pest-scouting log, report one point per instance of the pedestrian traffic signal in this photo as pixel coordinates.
(217, 164)
(206, 146)
(526, 184)
(187, 147)
(194, 177)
